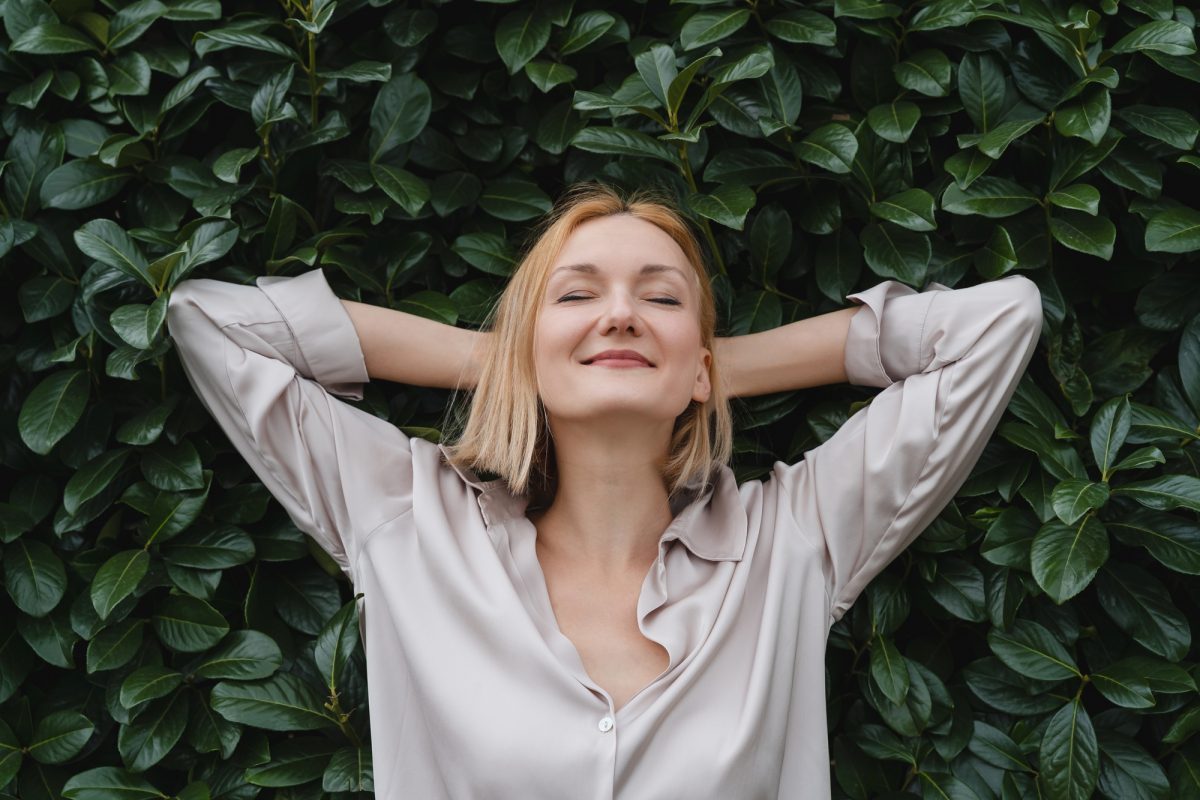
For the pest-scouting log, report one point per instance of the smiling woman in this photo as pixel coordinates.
(614, 615)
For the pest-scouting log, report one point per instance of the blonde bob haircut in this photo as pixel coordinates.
(506, 431)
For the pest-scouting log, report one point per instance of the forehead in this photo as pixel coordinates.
(618, 244)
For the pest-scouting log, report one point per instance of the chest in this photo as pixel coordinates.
(603, 626)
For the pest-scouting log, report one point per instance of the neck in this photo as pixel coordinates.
(611, 505)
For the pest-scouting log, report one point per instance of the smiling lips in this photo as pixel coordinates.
(619, 358)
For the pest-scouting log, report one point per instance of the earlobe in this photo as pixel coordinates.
(703, 382)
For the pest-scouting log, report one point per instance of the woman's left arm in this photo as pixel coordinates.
(802, 354)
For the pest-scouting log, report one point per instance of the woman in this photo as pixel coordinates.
(613, 616)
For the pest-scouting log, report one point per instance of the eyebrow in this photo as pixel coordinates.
(647, 269)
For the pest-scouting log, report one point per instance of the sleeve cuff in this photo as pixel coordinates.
(324, 334)
(886, 341)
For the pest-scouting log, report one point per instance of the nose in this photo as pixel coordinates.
(620, 314)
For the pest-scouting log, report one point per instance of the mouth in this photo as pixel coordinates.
(618, 358)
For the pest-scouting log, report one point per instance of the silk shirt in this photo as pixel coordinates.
(474, 691)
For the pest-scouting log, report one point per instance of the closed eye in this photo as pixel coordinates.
(667, 301)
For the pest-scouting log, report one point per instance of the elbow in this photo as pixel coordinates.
(1027, 303)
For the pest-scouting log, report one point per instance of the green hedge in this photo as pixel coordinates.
(1037, 632)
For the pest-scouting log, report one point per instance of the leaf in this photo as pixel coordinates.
(93, 478)
(293, 762)
(109, 244)
(1122, 688)
(59, 736)
(1069, 754)
(1162, 36)
(998, 256)
(349, 770)
(1172, 126)
(220, 547)
(113, 647)
(894, 121)
(728, 204)
(912, 209)
(1109, 428)
(996, 141)
(707, 27)
(925, 71)
(1094, 236)
(1175, 230)
(981, 87)
(1165, 492)
(109, 783)
(1030, 649)
(988, 197)
(656, 66)
(138, 324)
(117, 578)
(336, 643)
(242, 655)
(1065, 558)
(1141, 606)
(889, 669)
(52, 39)
(996, 747)
(81, 184)
(896, 253)
(1087, 119)
(770, 239)
(831, 146)
(1073, 498)
(514, 200)
(188, 624)
(521, 35)
(402, 186)
(399, 114)
(619, 141)
(1079, 196)
(584, 29)
(803, 27)
(547, 74)
(149, 683)
(149, 737)
(52, 409)
(34, 576)
(279, 703)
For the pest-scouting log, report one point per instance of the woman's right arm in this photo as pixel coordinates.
(406, 348)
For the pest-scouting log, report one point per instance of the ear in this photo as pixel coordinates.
(703, 387)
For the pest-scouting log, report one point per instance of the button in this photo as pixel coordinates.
(605, 725)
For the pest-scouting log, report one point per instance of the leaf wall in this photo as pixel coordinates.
(166, 631)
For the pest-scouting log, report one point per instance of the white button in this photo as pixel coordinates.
(605, 725)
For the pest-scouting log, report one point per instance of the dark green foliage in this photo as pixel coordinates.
(166, 631)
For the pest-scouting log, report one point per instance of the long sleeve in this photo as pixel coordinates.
(948, 361)
(268, 362)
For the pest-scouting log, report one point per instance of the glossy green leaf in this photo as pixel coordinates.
(1069, 754)
(988, 197)
(117, 578)
(188, 625)
(1032, 650)
(52, 409)
(832, 147)
(925, 71)
(281, 703)
(1065, 557)
(912, 209)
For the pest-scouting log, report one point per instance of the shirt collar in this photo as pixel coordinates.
(711, 524)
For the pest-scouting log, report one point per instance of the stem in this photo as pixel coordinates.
(712, 240)
(312, 73)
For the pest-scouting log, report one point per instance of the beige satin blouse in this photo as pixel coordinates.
(474, 692)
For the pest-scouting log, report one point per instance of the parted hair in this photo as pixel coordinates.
(506, 431)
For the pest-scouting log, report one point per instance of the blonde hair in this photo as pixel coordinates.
(506, 431)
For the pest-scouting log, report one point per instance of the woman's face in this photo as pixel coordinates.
(602, 296)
